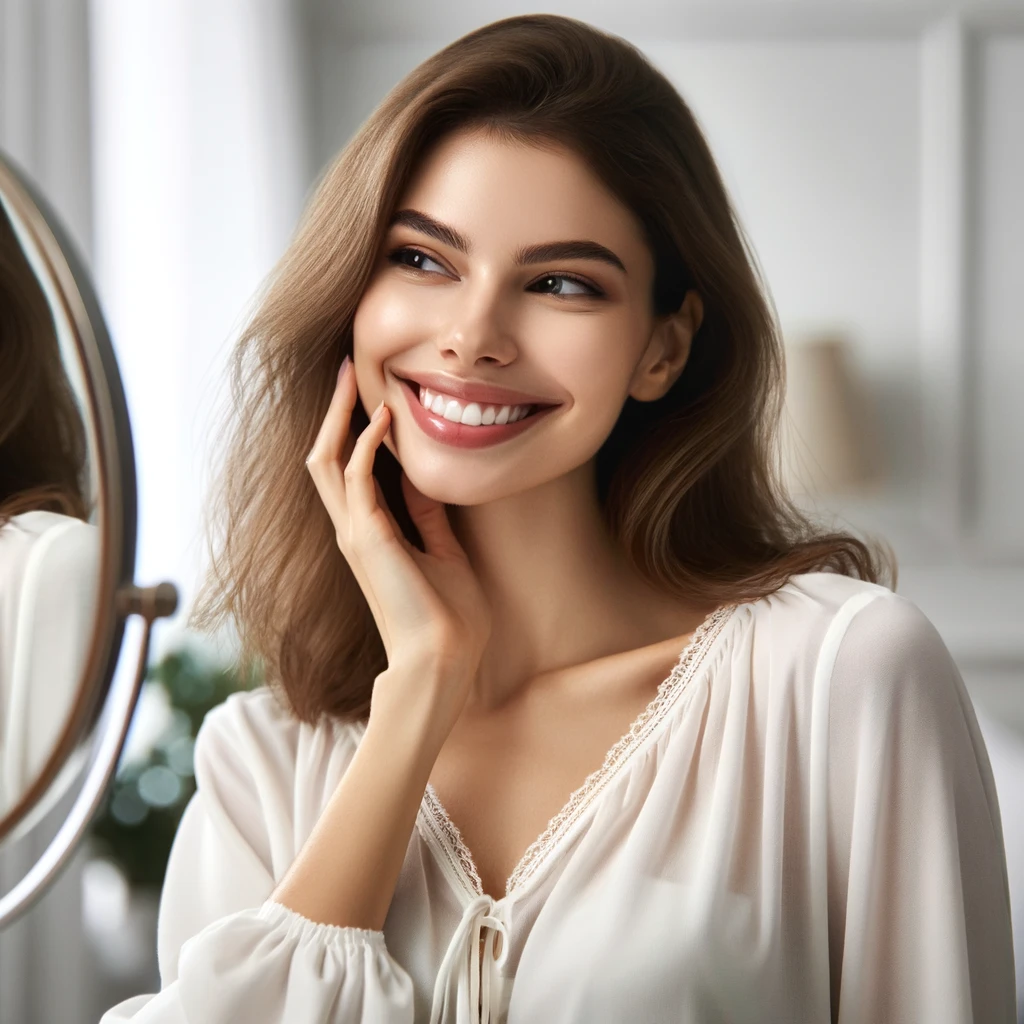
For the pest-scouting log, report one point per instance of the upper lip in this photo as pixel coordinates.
(471, 391)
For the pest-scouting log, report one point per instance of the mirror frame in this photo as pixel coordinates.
(96, 701)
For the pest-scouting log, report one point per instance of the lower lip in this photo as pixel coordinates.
(460, 435)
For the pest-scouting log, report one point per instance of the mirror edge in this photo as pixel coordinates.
(109, 705)
(115, 472)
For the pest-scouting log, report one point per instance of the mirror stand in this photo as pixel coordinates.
(151, 603)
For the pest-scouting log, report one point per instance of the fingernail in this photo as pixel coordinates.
(377, 412)
(344, 366)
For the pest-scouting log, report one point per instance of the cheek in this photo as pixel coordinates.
(594, 358)
(383, 324)
(379, 332)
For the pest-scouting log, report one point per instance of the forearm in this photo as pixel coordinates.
(346, 872)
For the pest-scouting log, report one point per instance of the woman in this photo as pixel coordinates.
(570, 603)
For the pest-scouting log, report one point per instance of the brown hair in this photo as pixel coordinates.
(42, 437)
(688, 483)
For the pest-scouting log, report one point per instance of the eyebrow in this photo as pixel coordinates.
(578, 249)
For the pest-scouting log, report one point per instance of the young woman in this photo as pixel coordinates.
(572, 717)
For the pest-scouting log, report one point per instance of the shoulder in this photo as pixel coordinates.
(850, 618)
(251, 748)
(821, 596)
(44, 539)
(890, 662)
(869, 654)
(248, 722)
(27, 528)
(820, 625)
(257, 728)
(803, 620)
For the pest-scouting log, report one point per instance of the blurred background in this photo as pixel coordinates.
(874, 152)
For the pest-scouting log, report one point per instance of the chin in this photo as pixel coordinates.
(443, 488)
(451, 492)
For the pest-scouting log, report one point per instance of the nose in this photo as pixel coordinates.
(478, 329)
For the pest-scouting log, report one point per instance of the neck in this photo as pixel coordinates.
(560, 590)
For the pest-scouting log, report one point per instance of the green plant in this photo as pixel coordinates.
(139, 816)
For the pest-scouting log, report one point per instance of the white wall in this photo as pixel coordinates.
(200, 171)
(44, 104)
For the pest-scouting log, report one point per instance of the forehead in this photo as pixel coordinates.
(511, 192)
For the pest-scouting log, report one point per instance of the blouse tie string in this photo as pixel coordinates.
(475, 974)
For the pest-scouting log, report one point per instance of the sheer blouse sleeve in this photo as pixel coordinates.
(919, 907)
(227, 952)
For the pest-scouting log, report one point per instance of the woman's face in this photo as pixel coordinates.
(456, 292)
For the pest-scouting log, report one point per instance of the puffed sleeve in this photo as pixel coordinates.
(227, 952)
(919, 906)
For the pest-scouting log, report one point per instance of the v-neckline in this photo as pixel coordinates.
(437, 827)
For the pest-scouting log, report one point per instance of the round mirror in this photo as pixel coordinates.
(67, 536)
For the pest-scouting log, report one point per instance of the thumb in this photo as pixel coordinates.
(431, 519)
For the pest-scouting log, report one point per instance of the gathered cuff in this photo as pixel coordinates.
(329, 934)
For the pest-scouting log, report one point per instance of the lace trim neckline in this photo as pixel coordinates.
(448, 836)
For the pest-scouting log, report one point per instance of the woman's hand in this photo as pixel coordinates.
(429, 606)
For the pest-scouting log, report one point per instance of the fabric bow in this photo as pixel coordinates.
(475, 974)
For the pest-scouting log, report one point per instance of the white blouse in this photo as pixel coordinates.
(801, 826)
(49, 591)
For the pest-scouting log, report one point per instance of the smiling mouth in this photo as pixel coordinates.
(479, 432)
(489, 413)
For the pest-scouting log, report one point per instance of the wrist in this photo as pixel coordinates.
(406, 718)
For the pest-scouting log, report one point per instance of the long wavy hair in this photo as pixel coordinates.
(689, 483)
(43, 446)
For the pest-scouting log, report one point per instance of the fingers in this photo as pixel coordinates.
(360, 494)
(326, 465)
(382, 504)
(431, 519)
(349, 490)
(327, 458)
(336, 427)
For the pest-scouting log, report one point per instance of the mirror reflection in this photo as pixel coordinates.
(49, 536)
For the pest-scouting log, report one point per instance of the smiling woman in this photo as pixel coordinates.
(572, 717)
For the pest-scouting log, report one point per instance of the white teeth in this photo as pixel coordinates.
(473, 414)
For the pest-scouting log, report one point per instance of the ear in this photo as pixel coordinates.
(667, 350)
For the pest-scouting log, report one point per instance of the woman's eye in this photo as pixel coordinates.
(408, 257)
(561, 284)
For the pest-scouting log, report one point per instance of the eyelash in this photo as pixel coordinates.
(595, 292)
